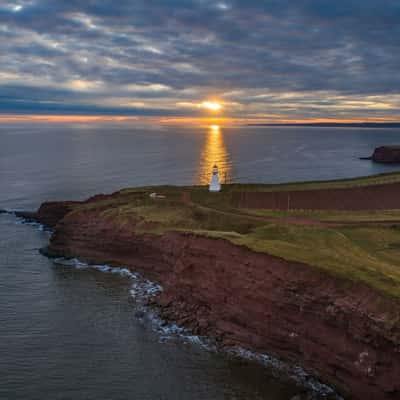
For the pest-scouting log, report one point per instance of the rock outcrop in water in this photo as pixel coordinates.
(386, 155)
(340, 330)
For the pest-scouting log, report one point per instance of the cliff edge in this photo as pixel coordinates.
(221, 284)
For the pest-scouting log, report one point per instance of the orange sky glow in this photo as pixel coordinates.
(181, 120)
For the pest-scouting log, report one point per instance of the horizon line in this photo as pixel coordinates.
(259, 121)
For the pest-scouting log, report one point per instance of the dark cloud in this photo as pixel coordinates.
(96, 56)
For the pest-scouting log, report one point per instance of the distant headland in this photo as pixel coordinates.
(335, 124)
(385, 155)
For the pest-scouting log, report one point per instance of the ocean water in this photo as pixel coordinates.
(68, 333)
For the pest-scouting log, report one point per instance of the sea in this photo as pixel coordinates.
(69, 332)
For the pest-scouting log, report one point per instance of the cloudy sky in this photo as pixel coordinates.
(276, 60)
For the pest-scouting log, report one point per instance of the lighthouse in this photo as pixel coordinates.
(215, 186)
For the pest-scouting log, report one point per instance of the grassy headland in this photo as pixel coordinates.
(357, 245)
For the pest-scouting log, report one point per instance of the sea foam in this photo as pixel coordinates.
(140, 287)
(143, 289)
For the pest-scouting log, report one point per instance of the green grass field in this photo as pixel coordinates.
(361, 246)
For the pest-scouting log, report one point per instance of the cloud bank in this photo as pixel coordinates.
(273, 60)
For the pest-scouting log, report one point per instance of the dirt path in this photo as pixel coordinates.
(186, 199)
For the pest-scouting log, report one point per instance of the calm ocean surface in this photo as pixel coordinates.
(73, 334)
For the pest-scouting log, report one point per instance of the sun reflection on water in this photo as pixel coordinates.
(214, 152)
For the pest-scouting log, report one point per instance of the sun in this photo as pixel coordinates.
(211, 105)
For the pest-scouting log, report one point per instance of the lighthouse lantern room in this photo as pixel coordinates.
(215, 185)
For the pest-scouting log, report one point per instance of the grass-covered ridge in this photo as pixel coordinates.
(361, 246)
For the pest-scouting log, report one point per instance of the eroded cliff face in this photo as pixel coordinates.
(374, 197)
(345, 332)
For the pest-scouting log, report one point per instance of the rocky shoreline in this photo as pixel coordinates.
(341, 331)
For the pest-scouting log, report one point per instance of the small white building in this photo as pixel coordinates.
(215, 185)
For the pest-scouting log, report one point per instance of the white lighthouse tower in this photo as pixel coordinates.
(215, 185)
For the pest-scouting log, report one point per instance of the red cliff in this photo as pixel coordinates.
(342, 331)
(363, 198)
